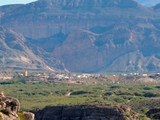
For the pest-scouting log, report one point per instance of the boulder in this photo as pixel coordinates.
(28, 116)
(9, 108)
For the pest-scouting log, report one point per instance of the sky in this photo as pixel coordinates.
(5, 2)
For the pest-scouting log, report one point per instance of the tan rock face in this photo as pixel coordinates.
(9, 108)
(28, 116)
(16, 54)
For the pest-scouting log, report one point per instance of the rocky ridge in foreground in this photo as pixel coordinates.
(9, 109)
(84, 112)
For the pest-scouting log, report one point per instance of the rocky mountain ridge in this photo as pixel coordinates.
(66, 15)
(148, 3)
(90, 35)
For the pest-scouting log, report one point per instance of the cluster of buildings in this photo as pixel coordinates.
(72, 76)
(135, 74)
(54, 77)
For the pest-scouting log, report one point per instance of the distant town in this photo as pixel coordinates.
(76, 78)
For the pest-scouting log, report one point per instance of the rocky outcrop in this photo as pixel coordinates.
(9, 109)
(27, 116)
(83, 112)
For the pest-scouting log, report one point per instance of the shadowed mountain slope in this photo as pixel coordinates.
(15, 54)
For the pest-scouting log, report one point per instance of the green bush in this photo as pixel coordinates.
(127, 114)
(120, 92)
(147, 88)
(22, 116)
(144, 110)
(108, 94)
(150, 94)
(115, 87)
(157, 87)
(119, 99)
(142, 117)
(138, 94)
(79, 92)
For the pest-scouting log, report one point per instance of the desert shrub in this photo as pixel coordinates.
(20, 90)
(137, 94)
(115, 87)
(157, 87)
(144, 110)
(150, 94)
(61, 92)
(19, 81)
(108, 94)
(44, 93)
(22, 81)
(119, 99)
(27, 93)
(78, 92)
(142, 117)
(127, 114)
(147, 88)
(120, 92)
(22, 116)
(127, 97)
(7, 82)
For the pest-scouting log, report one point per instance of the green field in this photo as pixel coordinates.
(38, 95)
(35, 96)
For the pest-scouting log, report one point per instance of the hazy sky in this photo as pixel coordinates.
(4, 2)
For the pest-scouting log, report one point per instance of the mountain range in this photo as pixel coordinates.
(88, 35)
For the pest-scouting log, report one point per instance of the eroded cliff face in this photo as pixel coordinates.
(10, 107)
(85, 113)
(14, 53)
(17, 53)
(45, 18)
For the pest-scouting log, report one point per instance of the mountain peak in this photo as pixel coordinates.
(157, 7)
(92, 3)
(122, 3)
